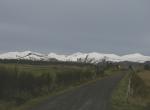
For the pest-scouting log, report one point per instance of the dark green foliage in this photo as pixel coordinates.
(50, 62)
(147, 66)
(73, 76)
(102, 66)
(19, 85)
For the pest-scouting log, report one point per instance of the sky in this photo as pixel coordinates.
(68, 26)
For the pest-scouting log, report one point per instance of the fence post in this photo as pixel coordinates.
(130, 89)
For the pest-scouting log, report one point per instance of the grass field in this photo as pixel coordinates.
(145, 76)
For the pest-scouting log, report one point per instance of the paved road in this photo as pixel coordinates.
(94, 96)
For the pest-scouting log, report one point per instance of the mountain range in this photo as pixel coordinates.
(92, 57)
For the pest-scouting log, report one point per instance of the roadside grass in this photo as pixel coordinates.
(141, 97)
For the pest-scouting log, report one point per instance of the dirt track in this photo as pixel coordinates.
(94, 96)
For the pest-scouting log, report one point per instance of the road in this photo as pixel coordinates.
(94, 96)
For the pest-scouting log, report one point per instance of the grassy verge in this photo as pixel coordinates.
(140, 100)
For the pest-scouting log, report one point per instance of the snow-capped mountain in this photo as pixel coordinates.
(80, 57)
(24, 55)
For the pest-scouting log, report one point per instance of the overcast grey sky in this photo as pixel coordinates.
(67, 26)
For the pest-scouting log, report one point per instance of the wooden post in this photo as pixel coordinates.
(130, 89)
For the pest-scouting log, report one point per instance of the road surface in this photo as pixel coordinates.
(94, 96)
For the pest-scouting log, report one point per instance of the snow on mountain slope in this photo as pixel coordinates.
(13, 55)
(108, 57)
(24, 55)
(58, 57)
(82, 57)
(137, 57)
(76, 56)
